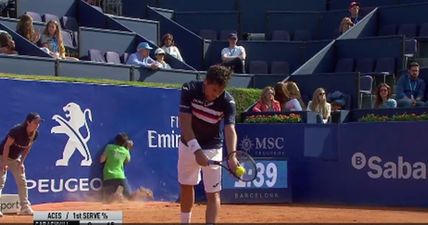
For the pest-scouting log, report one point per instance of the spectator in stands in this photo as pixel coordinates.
(410, 88)
(338, 100)
(25, 28)
(279, 89)
(142, 57)
(52, 42)
(349, 21)
(234, 56)
(320, 105)
(267, 102)
(383, 97)
(7, 45)
(160, 58)
(168, 45)
(294, 99)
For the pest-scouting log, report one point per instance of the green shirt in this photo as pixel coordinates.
(116, 156)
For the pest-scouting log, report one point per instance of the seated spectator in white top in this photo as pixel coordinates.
(169, 47)
(294, 99)
(234, 56)
(142, 57)
(349, 21)
(7, 45)
(320, 105)
(160, 58)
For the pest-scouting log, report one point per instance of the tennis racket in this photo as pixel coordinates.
(244, 160)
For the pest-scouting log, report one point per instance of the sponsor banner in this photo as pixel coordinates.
(386, 161)
(80, 120)
(270, 185)
(9, 203)
(269, 140)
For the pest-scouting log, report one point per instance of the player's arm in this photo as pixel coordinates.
(231, 137)
(25, 153)
(188, 136)
(6, 150)
(185, 123)
(230, 132)
(103, 157)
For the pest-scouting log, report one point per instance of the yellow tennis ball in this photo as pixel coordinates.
(240, 171)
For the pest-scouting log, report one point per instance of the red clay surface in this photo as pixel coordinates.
(166, 212)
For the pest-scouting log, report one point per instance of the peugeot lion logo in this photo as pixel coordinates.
(76, 120)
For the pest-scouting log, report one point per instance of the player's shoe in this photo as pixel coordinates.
(26, 211)
(1, 214)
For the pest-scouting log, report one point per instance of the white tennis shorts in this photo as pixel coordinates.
(189, 171)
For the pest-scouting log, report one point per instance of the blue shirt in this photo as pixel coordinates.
(406, 87)
(388, 104)
(135, 59)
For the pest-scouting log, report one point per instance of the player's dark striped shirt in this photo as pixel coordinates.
(206, 116)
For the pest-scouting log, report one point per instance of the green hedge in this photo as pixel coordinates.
(244, 97)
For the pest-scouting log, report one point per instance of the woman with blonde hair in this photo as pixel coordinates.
(52, 41)
(293, 96)
(25, 28)
(267, 103)
(320, 105)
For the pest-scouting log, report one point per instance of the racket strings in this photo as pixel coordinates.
(248, 164)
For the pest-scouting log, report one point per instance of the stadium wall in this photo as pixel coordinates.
(353, 163)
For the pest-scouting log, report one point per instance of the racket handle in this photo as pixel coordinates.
(212, 162)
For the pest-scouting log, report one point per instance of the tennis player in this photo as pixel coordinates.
(204, 104)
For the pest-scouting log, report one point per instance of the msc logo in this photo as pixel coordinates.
(266, 143)
(71, 128)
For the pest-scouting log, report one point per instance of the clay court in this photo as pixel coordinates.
(164, 212)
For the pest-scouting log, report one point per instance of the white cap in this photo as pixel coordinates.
(159, 51)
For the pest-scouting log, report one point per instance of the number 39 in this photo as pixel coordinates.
(265, 175)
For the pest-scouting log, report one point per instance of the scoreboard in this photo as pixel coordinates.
(77, 217)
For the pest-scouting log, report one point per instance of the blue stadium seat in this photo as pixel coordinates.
(385, 64)
(67, 39)
(48, 17)
(366, 88)
(124, 57)
(410, 47)
(95, 55)
(112, 57)
(280, 35)
(258, 67)
(302, 35)
(388, 30)
(364, 65)
(408, 30)
(280, 67)
(344, 65)
(208, 34)
(69, 23)
(423, 30)
(36, 17)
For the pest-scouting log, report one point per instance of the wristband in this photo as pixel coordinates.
(193, 145)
